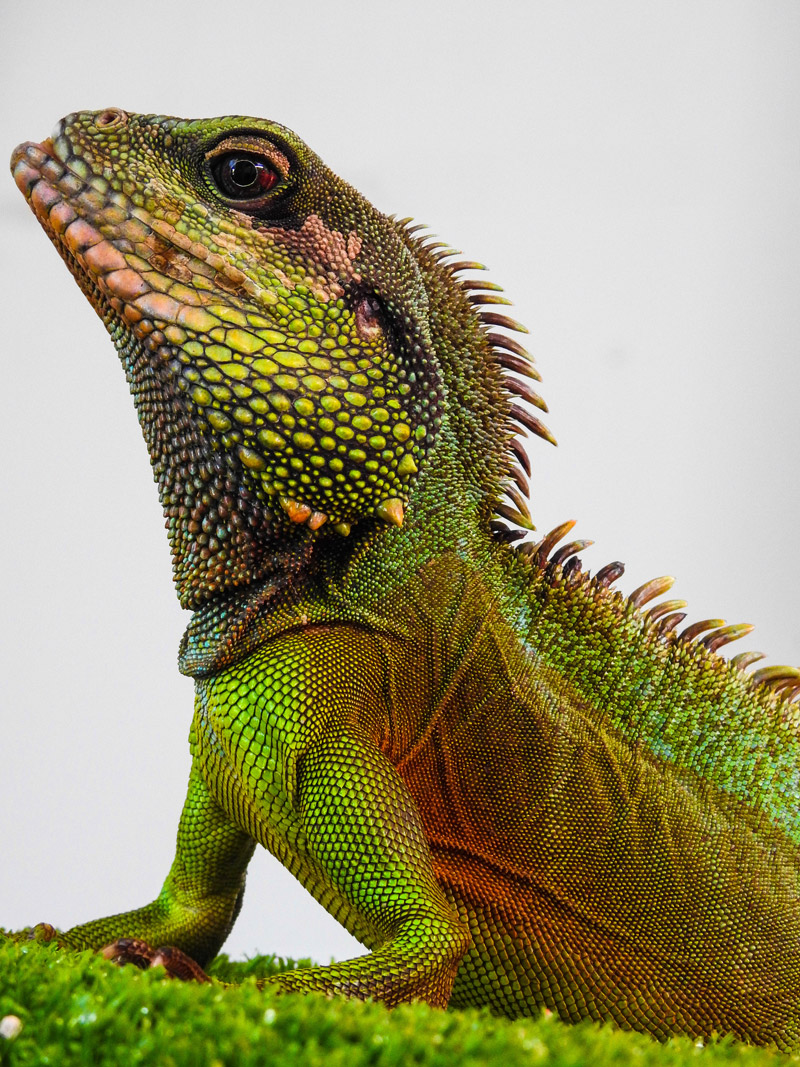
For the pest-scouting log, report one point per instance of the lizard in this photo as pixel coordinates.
(514, 786)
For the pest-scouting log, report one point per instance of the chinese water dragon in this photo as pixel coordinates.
(513, 785)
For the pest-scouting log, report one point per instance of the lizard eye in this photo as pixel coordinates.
(240, 176)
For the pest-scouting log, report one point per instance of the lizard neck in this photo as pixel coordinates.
(224, 533)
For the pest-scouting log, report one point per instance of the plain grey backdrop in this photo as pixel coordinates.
(630, 172)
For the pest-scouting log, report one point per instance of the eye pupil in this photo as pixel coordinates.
(243, 177)
(244, 173)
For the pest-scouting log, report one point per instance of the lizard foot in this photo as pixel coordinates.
(176, 963)
(40, 932)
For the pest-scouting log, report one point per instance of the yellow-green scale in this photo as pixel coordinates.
(336, 452)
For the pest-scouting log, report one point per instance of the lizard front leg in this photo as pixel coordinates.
(299, 767)
(363, 831)
(362, 834)
(199, 901)
(288, 741)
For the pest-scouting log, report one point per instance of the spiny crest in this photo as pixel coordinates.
(662, 619)
(515, 364)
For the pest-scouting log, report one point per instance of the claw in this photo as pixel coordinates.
(174, 960)
(129, 950)
(178, 965)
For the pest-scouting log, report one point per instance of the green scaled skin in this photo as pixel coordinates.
(513, 786)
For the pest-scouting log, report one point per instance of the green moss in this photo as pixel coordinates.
(76, 1008)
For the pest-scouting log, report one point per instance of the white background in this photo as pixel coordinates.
(630, 171)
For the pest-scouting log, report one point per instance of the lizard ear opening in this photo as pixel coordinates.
(368, 318)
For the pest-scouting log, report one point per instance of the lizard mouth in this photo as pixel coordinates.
(49, 186)
(36, 148)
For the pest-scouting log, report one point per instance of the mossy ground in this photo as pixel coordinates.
(78, 1009)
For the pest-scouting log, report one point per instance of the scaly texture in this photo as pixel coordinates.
(514, 786)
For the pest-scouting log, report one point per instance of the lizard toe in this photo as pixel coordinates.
(174, 960)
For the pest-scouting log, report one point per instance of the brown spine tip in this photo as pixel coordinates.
(487, 298)
(650, 590)
(517, 517)
(508, 361)
(530, 422)
(525, 391)
(548, 543)
(664, 608)
(700, 627)
(478, 283)
(503, 533)
(445, 253)
(609, 574)
(491, 319)
(718, 638)
(517, 499)
(520, 454)
(571, 570)
(568, 550)
(771, 675)
(669, 622)
(511, 344)
(522, 482)
(745, 659)
(466, 264)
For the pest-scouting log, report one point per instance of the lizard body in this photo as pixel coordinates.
(514, 786)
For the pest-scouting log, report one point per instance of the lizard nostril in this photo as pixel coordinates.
(112, 116)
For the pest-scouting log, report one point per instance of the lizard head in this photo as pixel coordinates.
(301, 364)
(272, 326)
